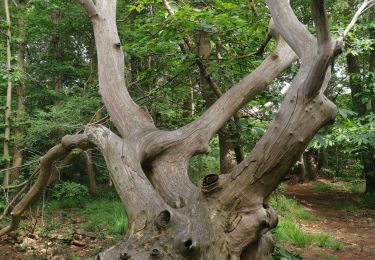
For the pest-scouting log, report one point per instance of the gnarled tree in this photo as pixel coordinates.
(228, 217)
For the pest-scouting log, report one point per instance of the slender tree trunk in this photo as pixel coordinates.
(312, 165)
(323, 159)
(56, 42)
(303, 169)
(369, 156)
(8, 105)
(227, 160)
(21, 109)
(355, 84)
(90, 173)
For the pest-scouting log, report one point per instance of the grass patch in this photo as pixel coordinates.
(288, 232)
(100, 214)
(105, 214)
(354, 186)
(323, 187)
(347, 206)
(290, 209)
(283, 254)
(367, 201)
(323, 255)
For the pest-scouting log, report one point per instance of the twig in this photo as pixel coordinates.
(21, 166)
(6, 210)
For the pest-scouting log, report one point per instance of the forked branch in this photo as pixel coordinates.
(292, 30)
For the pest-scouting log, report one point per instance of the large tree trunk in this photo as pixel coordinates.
(6, 154)
(21, 109)
(228, 217)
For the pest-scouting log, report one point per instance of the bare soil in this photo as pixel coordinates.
(355, 229)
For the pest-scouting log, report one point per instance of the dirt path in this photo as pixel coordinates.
(355, 229)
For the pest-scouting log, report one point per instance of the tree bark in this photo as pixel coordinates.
(6, 154)
(21, 108)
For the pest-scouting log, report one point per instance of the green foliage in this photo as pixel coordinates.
(70, 192)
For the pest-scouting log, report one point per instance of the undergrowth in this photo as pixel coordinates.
(289, 232)
(353, 186)
(323, 255)
(104, 214)
(290, 209)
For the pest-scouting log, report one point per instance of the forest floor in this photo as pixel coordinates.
(343, 215)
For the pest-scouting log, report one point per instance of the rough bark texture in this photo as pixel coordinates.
(228, 217)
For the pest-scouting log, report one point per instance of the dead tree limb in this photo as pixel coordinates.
(46, 163)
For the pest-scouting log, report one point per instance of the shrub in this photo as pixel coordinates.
(70, 191)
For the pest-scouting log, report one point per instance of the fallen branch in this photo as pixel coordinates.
(68, 143)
